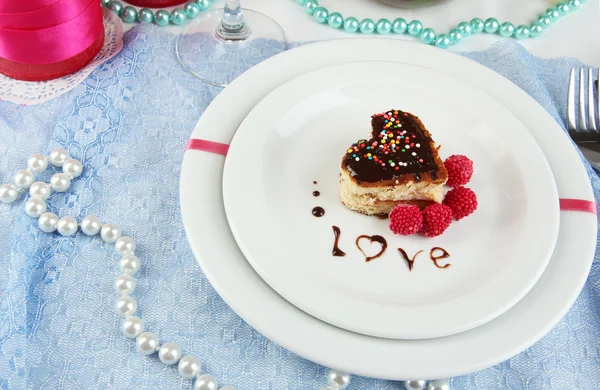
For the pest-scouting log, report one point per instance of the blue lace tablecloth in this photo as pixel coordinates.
(129, 123)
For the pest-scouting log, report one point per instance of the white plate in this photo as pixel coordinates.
(244, 290)
(298, 135)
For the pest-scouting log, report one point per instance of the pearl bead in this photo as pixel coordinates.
(130, 264)
(351, 24)
(399, 26)
(477, 25)
(465, 28)
(189, 367)
(544, 21)
(553, 14)
(522, 32)
(60, 182)
(132, 327)
(191, 9)
(321, 15)
(162, 18)
(491, 25)
(37, 163)
(67, 226)
(415, 385)
(129, 14)
(443, 41)
(35, 207)
(124, 285)
(90, 225)
(72, 168)
(455, 36)
(205, 382)
(124, 245)
(8, 193)
(310, 6)
(438, 384)
(428, 36)
(110, 232)
(335, 20)
(39, 189)
(169, 353)
(536, 30)
(178, 17)
(115, 7)
(203, 4)
(146, 343)
(507, 29)
(126, 306)
(145, 15)
(338, 379)
(575, 3)
(23, 179)
(47, 222)
(383, 26)
(58, 157)
(366, 26)
(104, 3)
(563, 8)
(415, 28)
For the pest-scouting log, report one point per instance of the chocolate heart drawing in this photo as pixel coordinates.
(375, 238)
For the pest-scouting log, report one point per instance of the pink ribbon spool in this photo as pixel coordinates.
(45, 39)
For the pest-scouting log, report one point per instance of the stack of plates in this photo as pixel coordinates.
(518, 263)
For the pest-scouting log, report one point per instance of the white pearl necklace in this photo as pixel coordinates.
(126, 306)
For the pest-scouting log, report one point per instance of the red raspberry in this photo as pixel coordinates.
(436, 219)
(462, 201)
(406, 219)
(460, 170)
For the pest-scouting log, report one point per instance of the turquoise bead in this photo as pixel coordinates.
(145, 15)
(203, 4)
(383, 26)
(191, 9)
(536, 30)
(301, 2)
(491, 25)
(563, 8)
(178, 16)
(321, 14)
(310, 6)
(399, 26)
(336, 20)
(367, 26)
(507, 29)
(477, 25)
(104, 3)
(115, 7)
(415, 28)
(455, 35)
(575, 4)
(544, 21)
(351, 24)
(428, 36)
(162, 18)
(465, 28)
(129, 14)
(443, 41)
(553, 14)
(522, 32)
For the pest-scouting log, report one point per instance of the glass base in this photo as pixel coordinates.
(217, 58)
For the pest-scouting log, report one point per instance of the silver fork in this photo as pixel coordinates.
(582, 126)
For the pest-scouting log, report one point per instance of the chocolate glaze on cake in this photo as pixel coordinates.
(399, 145)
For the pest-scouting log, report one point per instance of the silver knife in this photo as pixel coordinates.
(592, 153)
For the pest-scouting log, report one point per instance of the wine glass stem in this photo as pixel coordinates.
(233, 26)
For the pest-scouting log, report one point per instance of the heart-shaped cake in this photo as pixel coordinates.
(398, 164)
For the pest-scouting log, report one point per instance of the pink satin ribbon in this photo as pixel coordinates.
(47, 31)
(219, 148)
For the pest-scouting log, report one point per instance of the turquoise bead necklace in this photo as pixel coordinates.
(161, 17)
(427, 35)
